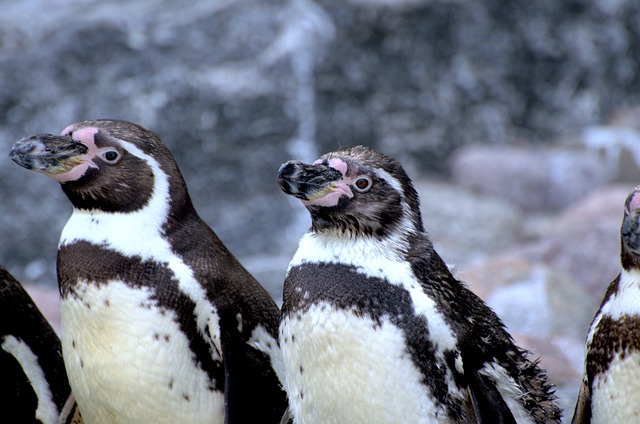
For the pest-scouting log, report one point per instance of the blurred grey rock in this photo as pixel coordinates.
(581, 244)
(532, 298)
(584, 241)
(620, 148)
(464, 226)
(422, 78)
(532, 179)
(236, 88)
(226, 85)
(47, 298)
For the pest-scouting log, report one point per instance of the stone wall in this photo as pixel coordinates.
(237, 87)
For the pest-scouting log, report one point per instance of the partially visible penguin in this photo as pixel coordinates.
(375, 328)
(160, 322)
(33, 382)
(610, 391)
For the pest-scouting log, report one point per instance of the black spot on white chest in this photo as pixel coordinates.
(325, 296)
(118, 343)
(117, 298)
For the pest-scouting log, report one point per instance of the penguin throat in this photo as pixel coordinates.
(393, 246)
(325, 220)
(101, 199)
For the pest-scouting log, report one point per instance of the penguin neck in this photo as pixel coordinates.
(622, 296)
(629, 260)
(123, 231)
(629, 280)
(359, 251)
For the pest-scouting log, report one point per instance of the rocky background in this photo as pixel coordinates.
(516, 119)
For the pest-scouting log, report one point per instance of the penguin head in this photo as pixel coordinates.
(630, 231)
(106, 165)
(354, 191)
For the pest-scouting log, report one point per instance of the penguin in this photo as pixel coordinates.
(159, 321)
(33, 381)
(374, 327)
(610, 390)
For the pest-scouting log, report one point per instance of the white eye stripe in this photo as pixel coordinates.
(392, 181)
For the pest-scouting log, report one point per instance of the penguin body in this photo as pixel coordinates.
(610, 390)
(357, 340)
(160, 323)
(374, 327)
(33, 383)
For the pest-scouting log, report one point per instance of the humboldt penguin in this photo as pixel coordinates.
(610, 390)
(374, 326)
(33, 382)
(160, 322)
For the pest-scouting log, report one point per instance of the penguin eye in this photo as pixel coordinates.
(111, 156)
(363, 183)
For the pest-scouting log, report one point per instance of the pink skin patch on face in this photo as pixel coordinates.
(338, 188)
(86, 137)
(635, 201)
(68, 129)
(335, 163)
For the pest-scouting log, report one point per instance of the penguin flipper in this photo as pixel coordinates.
(249, 378)
(488, 404)
(70, 413)
(287, 418)
(229, 402)
(228, 348)
(33, 380)
(582, 412)
(17, 397)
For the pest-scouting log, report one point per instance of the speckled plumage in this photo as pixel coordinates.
(33, 383)
(160, 323)
(374, 326)
(610, 390)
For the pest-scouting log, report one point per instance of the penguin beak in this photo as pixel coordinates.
(308, 182)
(50, 154)
(631, 223)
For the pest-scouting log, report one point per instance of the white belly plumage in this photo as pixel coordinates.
(616, 394)
(128, 361)
(341, 368)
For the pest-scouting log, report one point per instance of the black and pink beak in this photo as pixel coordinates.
(318, 184)
(307, 182)
(47, 153)
(631, 223)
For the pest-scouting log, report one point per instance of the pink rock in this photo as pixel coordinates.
(532, 179)
(48, 301)
(584, 241)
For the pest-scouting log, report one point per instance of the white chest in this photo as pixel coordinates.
(616, 394)
(340, 368)
(128, 361)
(627, 300)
